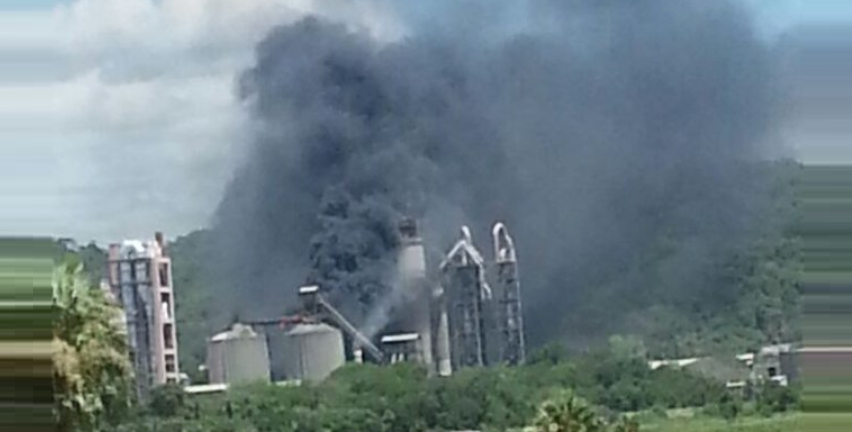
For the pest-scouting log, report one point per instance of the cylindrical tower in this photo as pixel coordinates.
(443, 360)
(238, 355)
(411, 275)
(312, 352)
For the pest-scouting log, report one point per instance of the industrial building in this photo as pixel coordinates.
(450, 318)
(772, 363)
(140, 279)
(405, 347)
(483, 320)
(511, 346)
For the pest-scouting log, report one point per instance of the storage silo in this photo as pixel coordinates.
(237, 355)
(415, 315)
(312, 352)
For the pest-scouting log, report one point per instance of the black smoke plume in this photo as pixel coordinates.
(615, 138)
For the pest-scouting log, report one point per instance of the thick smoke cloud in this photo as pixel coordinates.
(601, 132)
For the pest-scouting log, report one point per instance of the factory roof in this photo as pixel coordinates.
(825, 350)
(216, 388)
(747, 357)
(311, 328)
(735, 384)
(656, 364)
(237, 331)
(205, 388)
(776, 349)
(130, 249)
(402, 337)
(310, 289)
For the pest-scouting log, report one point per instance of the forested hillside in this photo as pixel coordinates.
(195, 287)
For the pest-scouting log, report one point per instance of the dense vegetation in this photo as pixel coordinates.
(92, 370)
(596, 390)
(555, 391)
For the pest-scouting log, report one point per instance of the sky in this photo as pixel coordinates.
(118, 117)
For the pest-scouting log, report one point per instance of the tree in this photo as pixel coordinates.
(627, 347)
(91, 368)
(567, 413)
(166, 400)
(774, 398)
(626, 424)
(94, 262)
(730, 407)
(551, 353)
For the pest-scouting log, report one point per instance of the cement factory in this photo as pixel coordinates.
(466, 313)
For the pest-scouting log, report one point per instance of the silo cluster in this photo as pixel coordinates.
(466, 313)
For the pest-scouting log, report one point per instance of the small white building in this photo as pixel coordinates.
(675, 363)
(403, 347)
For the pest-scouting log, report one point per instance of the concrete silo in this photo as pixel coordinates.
(237, 355)
(312, 352)
(415, 316)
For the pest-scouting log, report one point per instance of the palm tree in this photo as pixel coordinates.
(91, 368)
(567, 413)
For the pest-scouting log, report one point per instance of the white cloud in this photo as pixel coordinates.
(122, 113)
(100, 27)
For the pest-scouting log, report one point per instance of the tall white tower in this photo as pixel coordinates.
(411, 274)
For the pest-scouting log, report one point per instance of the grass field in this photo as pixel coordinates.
(824, 422)
(793, 423)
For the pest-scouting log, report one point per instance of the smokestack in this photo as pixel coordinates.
(408, 229)
(412, 256)
(411, 271)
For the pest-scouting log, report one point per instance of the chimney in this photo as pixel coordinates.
(408, 229)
